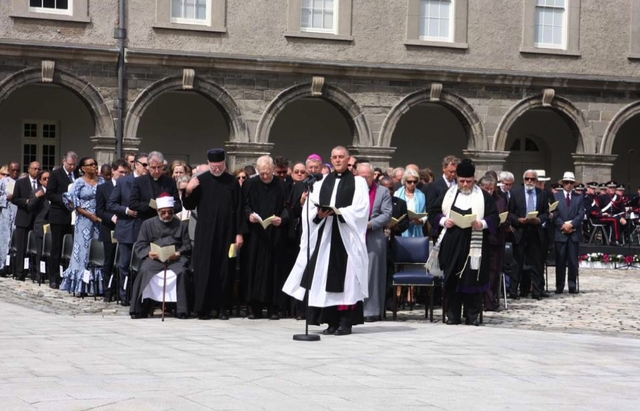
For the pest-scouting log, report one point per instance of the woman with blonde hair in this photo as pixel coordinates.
(8, 212)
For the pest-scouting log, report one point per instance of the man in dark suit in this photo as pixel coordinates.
(381, 209)
(59, 214)
(441, 184)
(568, 223)
(528, 236)
(24, 218)
(149, 187)
(127, 223)
(110, 173)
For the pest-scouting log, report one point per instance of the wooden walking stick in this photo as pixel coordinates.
(164, 288)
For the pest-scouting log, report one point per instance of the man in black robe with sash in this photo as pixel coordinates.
(464, 252)
(338, 269)
(221, 223)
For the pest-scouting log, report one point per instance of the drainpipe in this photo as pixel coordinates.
(120, 33)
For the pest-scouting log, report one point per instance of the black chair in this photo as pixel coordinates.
(44, 257)
(96, 261)
(603, 229)
(115, 273)
(134, 268)
(67, 253)
(410, 255)
(507, 265)
(32, 255)
(13, 251)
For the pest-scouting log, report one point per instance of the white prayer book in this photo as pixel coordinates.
(553, 206)
(413, 215)
(153, 204)
(503, 217)
(10, 186)
(164, 253)
(531, 215)
(266, 222)
(394, 221)
(463, 221)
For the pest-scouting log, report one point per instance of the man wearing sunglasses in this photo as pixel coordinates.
(24, 218)
(528, 237)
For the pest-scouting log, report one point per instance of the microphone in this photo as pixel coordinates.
(313, 177)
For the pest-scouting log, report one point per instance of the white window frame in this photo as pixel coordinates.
(46, 10)
(565, 25)
(452, 19)
(202, 22)
(39, 141)
(336, 15)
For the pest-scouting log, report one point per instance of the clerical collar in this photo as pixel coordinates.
(339, 175)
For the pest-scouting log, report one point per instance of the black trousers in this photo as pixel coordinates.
(107, 268)
(58, 232)
(123, 269)
(455, 300)
(21, 250)
(566, 256)
(528, 257)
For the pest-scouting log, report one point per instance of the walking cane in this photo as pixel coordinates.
(164, 288)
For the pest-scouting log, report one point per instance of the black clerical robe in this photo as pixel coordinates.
(220, 219)
(163, 234)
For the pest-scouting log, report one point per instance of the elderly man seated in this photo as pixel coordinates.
(166, 230)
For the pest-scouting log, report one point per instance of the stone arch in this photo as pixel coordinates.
(474, 128)
(238, 131)
(577, 121)
(88, 94)
(621, 117)
(333, 95)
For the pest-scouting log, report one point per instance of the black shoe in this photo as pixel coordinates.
(54, 286)
(330, 330)
(514, 296)
(574, 292)
(274, 317)
(536, 297)
(544, 295)
(204, 316)
(251, 317)
(452, 322)
(371, 319)
(223, 317)
(475, 321)
(343, 330)
(559, 291)
(182, 316)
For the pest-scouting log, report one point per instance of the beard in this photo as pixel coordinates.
(218, 174)
(166, 220)
(530, 186)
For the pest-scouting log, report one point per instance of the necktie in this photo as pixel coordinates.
(71, 176)
(35, 186)
(568, 201)
(530, 203)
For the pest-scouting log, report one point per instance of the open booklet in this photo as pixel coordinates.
(531, 215)
(266, 222)
(463, 221)
(414, 216)
(553, 206)
(233, 250)
(164, 253)
(503, 217)
(327, 208)
(11, 185)
(153, 204)
(394, 221)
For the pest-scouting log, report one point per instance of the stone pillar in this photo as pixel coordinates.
(130, 145)
(240, 154)
(487, 160)
(379, 156)
(593, 167)
(104, 149)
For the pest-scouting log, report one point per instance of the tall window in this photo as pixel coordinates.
(191, 11)
(436, 20)
(40, 142)
(319, 16)
(51, 6)
(551, 24)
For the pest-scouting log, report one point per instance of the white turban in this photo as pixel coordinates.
(165, 202)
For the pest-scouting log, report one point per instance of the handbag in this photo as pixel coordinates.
(433, 264)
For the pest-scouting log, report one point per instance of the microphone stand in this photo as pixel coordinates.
(306, 336)
(629, 265)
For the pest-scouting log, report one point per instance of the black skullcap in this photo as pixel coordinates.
(215, 155)
(466, 168)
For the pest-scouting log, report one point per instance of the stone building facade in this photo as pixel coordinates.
(251, 78)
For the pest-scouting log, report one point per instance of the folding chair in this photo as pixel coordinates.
(508, 262)
(409, 255)
(115, 273)
(96, 260)
(600, 228)
(134, 268)
(32, 254)
(13, 251)
(45, 256)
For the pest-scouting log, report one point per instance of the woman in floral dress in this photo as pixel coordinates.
(81, 198)
(7, 215)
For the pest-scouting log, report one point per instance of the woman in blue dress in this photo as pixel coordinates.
(81, 198)
(416, 202)
(7, 215)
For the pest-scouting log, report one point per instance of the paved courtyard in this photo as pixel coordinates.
(569, 352)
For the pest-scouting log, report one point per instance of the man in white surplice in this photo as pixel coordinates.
(166, 230)
(339, 262)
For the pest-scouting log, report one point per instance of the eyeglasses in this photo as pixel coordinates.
(299, 172)
(350, 165)
(568, 182)
(281, 172)
(44, 178)
(145, 165)
(164, 212)
(5, 174)
(90, 165)
(241, 177)
(530, 179)
(412, 181)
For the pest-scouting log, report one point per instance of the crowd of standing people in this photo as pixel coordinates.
(279, 236)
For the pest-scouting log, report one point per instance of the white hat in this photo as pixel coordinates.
(542, 175)
(568, 176)
(165, 202)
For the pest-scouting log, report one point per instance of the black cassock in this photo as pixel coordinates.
(163, 234)
(220, 219)
(264, 252)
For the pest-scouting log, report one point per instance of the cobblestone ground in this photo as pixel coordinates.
(607, 304)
